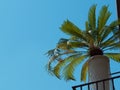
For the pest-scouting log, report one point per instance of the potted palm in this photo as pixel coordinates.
(94, 46)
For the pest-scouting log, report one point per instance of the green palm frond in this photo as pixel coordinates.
(57, 69)
(87, 26)
(52, 59)
(78, 44)
(114, 46)
(90, 38)
(113, 39)
(115, 27)
(69, 69)
(63, 46)
(92, 18)
(71, 29)
(84, 71)
(107, 30)
(74, 38)
(50, 52)
(62, 64)
(107, 43)
(114, 24)
(114, 56)
(103, 17)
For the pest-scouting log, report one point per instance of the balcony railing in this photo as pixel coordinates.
(97, 84)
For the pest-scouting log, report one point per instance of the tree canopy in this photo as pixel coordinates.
(81, 44)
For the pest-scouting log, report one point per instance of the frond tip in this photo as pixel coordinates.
(84, 72)
(92, 18)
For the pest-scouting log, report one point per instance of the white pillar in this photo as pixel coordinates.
(98, 69)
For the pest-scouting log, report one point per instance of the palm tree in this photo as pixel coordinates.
(98, 38)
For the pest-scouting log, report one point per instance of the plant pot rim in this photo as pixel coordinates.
(97, 56)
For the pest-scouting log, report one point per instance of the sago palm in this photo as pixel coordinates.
(98, 38)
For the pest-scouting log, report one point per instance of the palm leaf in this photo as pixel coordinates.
(114, 46)
(52, 59)
(105, 33)
(107, 43)
(71, 29)
(112, 36)
(110, 40)
(63, 46)
(87, 26)
(103, 17)
(69, 69)
(114, 56)
(62, 64)
(84, 71)
(57, 69)
(90, 38)
(114, 23)
(78, 45)
(92, 18)
(111, 29)
(50, 52)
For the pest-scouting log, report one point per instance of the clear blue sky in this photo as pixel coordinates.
(28, 28)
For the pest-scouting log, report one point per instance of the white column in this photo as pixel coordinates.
(98, 69)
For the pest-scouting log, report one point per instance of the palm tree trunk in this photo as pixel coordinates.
(98, 69)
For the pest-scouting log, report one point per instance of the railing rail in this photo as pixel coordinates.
(100, 81)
